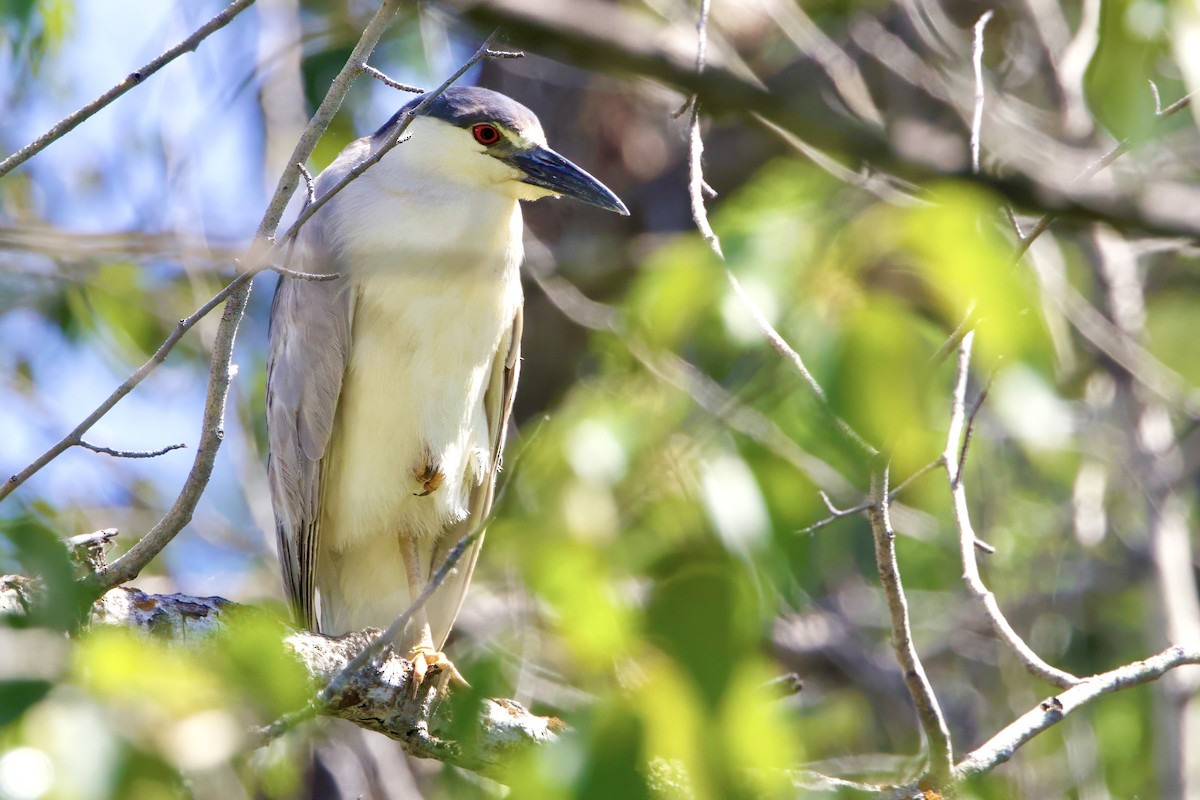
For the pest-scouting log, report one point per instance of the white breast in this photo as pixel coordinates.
(436, 290)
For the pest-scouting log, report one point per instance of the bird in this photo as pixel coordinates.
(390, 385)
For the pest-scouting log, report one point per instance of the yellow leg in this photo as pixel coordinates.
(424, 656)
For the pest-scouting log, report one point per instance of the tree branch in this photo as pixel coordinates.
(108, 451)
(952, 459)
(135, 78)
(377, 694)
(933, 722)
(1049, 712)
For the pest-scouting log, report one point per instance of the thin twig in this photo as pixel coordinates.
(780, 345)
(966, 441)
(956, 336)
(1051, 711)
(1106, 160)
(73, 438)
(696, 143)
(1158, 107)
(316, 277)
(310, 188)
(977, 61)
(933, 722)
(952, 457)
(367, 69)
(135, 78)
(836, 514)
(335, 686)
(130, 453)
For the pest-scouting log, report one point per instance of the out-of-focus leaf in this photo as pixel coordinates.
(614, 768)
(155, 677)
(678, 285)
(762, 746)
(573, 577)
(39, 552)
(1117, 79)
(18, 696)
(44, 31)
(966, 263)
(1171, 332)
(251, 658)
(703, 615)
(115, 302)
(676, 727)
(883, 386)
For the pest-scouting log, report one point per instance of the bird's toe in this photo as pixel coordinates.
(425, 659)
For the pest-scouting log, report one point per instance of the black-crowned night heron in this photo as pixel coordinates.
(389, 388)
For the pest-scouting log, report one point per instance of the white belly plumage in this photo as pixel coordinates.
(411, 407)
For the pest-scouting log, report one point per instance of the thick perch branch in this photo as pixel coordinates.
(376, 696)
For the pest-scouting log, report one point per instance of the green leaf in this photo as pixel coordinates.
(614, 767)
(703, 615)
(64, 603)
(18, 696)
(1116, 83)
(883, 385)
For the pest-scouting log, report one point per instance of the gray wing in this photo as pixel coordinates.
(309, 347)
(445, 603)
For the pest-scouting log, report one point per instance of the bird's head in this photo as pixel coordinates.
(478, 137)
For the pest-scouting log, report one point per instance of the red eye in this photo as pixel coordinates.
(486, 135)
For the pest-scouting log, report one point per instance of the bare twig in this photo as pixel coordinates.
(966, 439)
(780, 345)
(1049, 712)
(696, 142)
(316, 277)
(135, 78)
(367, 69)
(937, 734)
(882, 186)
(836, 513)
(73, 438)
(1106, 160)
(1118, 345)
(841, 69)
(977, 61)
(130, 453)
(952, 458)
(310, 189)
(335, 686)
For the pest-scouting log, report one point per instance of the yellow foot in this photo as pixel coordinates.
(424, 658)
